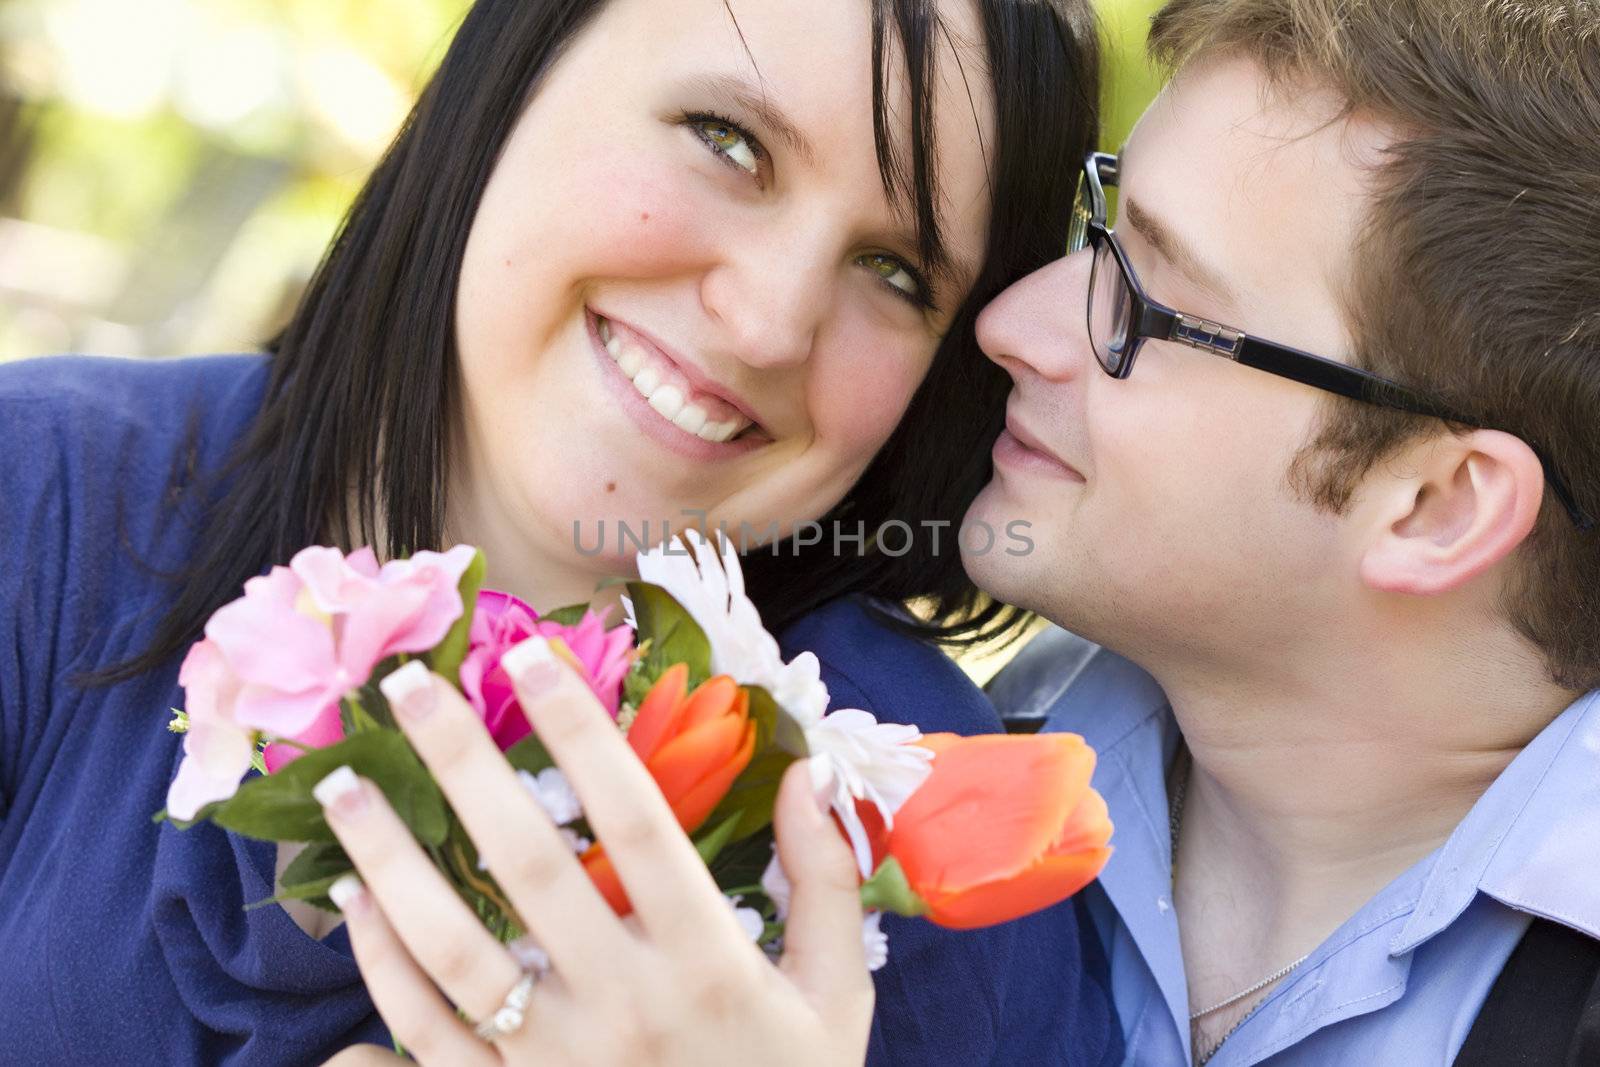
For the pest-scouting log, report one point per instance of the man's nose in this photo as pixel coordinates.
(1041, 321)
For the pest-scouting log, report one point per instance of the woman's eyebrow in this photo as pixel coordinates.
(760, 105)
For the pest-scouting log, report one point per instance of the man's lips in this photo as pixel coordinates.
(1018, 445)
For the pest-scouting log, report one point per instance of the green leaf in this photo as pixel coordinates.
(571, 615)
(673, 634)
(710, 844)
(313, 893)
(742, 863)
(888, 890)
(183, 824)
(445, 659)
(636, 683)
(310, 875)
(354, 717)
(280, 807)
(317, 862)
(529, 755)
(779, 742)
(754, 793)
(775, 728)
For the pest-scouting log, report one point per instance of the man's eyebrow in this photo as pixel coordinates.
(754, 100)
(1171, 248)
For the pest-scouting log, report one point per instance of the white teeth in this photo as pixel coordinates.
(668, 400)
(646, 381)
(692, 418)
(630, 359)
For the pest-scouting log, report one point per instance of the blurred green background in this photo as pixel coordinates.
(171, 170)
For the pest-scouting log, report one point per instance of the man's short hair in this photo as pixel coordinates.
(1477, 273)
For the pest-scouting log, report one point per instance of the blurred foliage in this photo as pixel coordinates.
(1131, 81)
(171, 170)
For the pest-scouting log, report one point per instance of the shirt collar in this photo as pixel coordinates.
(1528, 838)
(1124, 716)
(1522, 843)
(1110, 698)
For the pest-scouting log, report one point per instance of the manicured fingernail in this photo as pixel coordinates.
(348, 894)
(533, 666)
(410, 691)
(341, 791)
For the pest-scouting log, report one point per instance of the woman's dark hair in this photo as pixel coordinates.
(368, 364)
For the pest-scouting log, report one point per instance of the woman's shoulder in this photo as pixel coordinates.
(89, 393)
(84, 427)
(867, 663)
(89, 450)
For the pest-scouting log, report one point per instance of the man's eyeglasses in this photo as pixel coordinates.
(1121, 317)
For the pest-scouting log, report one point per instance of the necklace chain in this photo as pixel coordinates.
(1180, 791)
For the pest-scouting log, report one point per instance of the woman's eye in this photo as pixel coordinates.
(729, 141)
(896, 275)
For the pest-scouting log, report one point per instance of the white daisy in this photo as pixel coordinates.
(856, 757)
(874, 940)
(707, 580)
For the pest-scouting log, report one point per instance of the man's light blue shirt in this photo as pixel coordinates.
(1402, 980)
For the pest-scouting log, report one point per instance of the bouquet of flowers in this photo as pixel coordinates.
(283, 688)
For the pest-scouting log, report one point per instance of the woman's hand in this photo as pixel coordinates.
(679, 983)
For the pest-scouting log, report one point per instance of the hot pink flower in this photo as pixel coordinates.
(303, 636)
(501, 621)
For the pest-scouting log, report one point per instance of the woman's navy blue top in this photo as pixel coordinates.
(126, 942)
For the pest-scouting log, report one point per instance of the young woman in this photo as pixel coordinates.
(627, 260)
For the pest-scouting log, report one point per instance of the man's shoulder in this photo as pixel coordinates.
(1061, 681)
(868, 663)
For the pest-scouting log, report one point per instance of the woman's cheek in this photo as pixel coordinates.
(861, 389)
(638, 216)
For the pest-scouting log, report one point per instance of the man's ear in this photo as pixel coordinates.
(1462, 504)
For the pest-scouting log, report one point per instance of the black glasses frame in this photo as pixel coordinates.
(1148, 319)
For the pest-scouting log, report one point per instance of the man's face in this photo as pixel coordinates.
(1163, 520)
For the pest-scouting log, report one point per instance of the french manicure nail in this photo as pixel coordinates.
(341, 791)
(348, 894)
(410, 690)
(533, 666)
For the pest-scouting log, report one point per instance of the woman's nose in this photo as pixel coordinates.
(1041, 321)
(771, 297)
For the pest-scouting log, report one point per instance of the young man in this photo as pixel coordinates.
(1358, 645)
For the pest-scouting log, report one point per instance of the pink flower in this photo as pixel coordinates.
(303, 636)
(501, 621)
(216, 750)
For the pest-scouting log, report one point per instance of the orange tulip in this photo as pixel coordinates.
(1003, 827)
(694, 745)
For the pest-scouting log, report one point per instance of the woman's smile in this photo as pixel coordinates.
(676, 405)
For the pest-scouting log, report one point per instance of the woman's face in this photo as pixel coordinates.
(685, 288)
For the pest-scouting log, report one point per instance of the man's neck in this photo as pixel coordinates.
(1309, 792)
